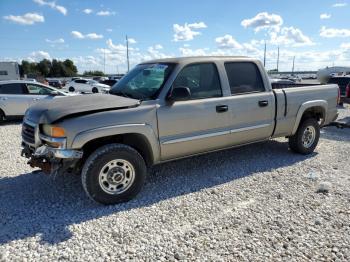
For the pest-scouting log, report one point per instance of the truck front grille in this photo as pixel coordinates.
(28, 133)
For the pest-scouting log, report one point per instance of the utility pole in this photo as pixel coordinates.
(104, 61)
(293, 64)
(265, 55)
(278, 57)
(127, 52)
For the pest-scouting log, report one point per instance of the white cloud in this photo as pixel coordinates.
(290, 36)
(93, 36)
(262, 21)
(87, 11)
(158, 46)
(193, 52)
(38, 55)
(334, 32)
(79, 35)
(227, 41)
(56, 41)
(109, 30)
(340, 5)
(132, 41)
(345, 46)
(119, 48)
(186, 32)
(325, 16)
(53, 5)
(26, 19)
(153, 52)
(105, 13)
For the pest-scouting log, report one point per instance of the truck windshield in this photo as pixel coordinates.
(144, 82)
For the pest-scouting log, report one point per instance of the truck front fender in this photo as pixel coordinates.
(308, 105)
(142, 129)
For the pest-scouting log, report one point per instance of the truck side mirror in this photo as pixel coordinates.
(180, 93)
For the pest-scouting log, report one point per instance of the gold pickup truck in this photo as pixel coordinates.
(168, 109)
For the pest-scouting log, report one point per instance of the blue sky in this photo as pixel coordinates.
(92, 33)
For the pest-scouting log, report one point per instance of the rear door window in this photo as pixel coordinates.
(12, 89)
(80, 81)
(38, 90)
(244, 77)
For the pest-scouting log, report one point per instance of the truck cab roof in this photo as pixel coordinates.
(198, 59)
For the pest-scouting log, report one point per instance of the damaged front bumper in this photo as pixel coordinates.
(46, 151)
(49, 159)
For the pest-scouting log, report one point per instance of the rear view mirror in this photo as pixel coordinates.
(179, 94)
(146, 72)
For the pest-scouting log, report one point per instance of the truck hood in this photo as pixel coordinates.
(53, 110)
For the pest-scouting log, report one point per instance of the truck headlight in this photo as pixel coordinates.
(53, 131)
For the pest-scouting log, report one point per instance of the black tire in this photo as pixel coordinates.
(94, 170)
(71, 89)
(94, 90)
(296, 141)
(2, 116)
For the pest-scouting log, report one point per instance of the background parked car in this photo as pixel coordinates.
(16, 96)
(343, 83)
(99, 78)
(87, 86)
(282, 81)
(56, 83)
(109, 82)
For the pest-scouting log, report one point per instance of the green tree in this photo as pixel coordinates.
(56, 69)
(93, 73)
(44, 67)
(69, 69)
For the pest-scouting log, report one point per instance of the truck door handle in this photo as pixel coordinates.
(4, 98)
(263, 103)
(221, 108)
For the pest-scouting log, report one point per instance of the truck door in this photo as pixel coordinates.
(199, 124)
(14, 99)
(252, 105)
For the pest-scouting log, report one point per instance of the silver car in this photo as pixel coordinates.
(17, 96)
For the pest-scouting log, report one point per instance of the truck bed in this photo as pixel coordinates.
(289, 101)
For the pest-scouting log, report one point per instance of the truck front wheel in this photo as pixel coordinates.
(305, 140)
(113, 174)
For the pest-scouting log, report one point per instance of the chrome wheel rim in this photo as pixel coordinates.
(309, 136)
(116, 176)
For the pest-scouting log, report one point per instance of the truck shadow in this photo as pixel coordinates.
(11, 122)
(33, 204)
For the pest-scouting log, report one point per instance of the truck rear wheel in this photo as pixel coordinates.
(305, 140)
(113, 174)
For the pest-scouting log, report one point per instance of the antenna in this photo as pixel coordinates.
(278, 57)
(265, 55)
(127, 52)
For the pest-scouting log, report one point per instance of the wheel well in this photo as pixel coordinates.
(136, 141)
(3, 113)
(316, 112)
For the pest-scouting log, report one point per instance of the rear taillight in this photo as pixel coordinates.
(347, 91)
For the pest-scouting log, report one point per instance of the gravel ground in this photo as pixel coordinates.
(259, 202)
